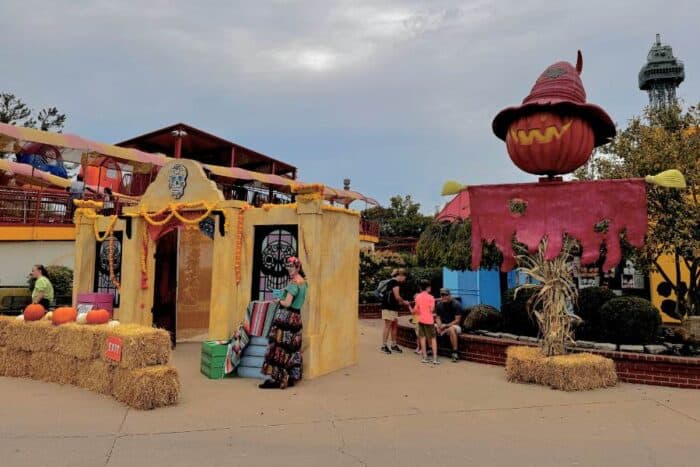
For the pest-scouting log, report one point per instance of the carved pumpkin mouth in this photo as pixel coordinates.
(536, 135)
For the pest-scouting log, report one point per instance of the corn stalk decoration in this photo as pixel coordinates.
(556, 294)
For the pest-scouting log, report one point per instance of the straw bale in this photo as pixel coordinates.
(15, 363)
(573, 372)
(53, 367)
(522, 363)
(96, 376)
(4, 324)
(80, 340)
(30, 336)
(141, 346)
(147, 388)
(578, 372)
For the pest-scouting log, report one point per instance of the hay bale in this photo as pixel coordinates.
(578, 372)
(573, 372)
(3, 359)
(96, 376)
(30, 336)
(54, 367)
(141, 346)
(522, 364)
(15, 363)
(79, 340)
(147, 388)
(4, 324)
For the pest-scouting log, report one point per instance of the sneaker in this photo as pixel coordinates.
(455, 356)
(396, 348)
(417, 351)
(436, 362)
(425, 360)
(385, 349)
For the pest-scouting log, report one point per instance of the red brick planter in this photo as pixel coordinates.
(660, 370)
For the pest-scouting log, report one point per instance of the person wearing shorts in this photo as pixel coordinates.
(390, 311)
(424, 309)
(449, 315)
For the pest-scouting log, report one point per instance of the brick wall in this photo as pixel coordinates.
(374, 311)
(660, 370)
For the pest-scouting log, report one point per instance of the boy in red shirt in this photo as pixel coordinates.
(424, 309)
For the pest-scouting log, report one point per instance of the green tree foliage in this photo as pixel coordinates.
(401, 219)
(659, 140)
(449, 244)
(15, 111)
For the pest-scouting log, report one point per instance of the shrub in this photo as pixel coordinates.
(415, 275)
(590, 301)
(483, 317)
(629, 320)
(516, 318)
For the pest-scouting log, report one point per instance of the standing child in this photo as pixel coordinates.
(425, 307)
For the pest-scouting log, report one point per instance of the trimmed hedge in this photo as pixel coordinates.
(516, 318)
(483, 317)
(629, 320)
(590, 301)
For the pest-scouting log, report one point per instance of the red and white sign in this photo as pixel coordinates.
(114, 349)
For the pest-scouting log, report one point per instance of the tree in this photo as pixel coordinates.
(15, 111)
(661, 139)
(401, 219)
(449, 244)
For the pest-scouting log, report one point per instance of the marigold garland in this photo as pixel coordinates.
(239, 243)
(112, 276)
(144, 254)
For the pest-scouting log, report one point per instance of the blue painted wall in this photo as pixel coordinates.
(474, 287)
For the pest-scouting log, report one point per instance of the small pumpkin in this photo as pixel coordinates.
(114, 323)
(48, 315)
(34, 312)
(64, 315)
(99, 316)
(545, 143)
(82, 318)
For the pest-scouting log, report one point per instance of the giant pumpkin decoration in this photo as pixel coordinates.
(554, 131)
(64, 315)
(549, 144)
(34, 312)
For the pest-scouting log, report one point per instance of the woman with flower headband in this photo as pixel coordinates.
(283, 359)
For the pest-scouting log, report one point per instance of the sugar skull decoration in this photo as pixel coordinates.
(554, 131)
(177, 180)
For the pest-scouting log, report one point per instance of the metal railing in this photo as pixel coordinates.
(32, 207)
(370, 228)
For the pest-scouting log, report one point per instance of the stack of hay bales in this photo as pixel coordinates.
(573, 372)
(75, 354)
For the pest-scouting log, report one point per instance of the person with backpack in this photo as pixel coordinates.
(392, 302)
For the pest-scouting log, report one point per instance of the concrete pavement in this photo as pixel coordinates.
(388, 411)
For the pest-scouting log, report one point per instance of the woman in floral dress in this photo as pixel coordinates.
(283, 359)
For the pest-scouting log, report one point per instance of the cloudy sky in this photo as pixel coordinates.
(397, 95)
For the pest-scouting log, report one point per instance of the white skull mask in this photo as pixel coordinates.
(177, 180)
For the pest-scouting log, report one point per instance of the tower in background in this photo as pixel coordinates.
(661, 74)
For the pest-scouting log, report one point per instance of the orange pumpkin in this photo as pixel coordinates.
(34, 312)
(98, 316)
(544, 143)
(64, 315)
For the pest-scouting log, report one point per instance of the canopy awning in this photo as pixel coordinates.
(74, 148)
(458, 208)
(32, 176)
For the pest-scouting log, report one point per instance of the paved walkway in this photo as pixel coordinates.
(387, 411)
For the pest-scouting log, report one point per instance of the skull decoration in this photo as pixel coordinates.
(177, 180)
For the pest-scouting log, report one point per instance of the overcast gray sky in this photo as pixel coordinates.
(397, 95)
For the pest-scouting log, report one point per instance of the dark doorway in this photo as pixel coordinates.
(273, 245)
(165, 287)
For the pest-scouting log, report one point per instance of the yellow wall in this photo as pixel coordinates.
(328, 244)
(669, 267)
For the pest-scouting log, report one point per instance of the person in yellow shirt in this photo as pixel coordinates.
(43, 289)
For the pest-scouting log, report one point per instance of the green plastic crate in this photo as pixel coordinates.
(213, 349)
(208, 360)
(212, 372)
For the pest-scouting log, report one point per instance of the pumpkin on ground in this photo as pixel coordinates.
(100, 316)
(34, 312)
(64, 315)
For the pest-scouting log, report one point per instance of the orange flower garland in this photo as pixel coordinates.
(239, 243)
(144, 254)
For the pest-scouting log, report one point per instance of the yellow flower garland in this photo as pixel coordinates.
(239, 243)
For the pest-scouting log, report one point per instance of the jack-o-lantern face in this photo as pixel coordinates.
(549, 144)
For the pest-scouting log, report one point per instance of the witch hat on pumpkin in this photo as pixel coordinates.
(559, 89)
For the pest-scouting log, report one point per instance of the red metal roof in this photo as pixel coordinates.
(457, 208)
